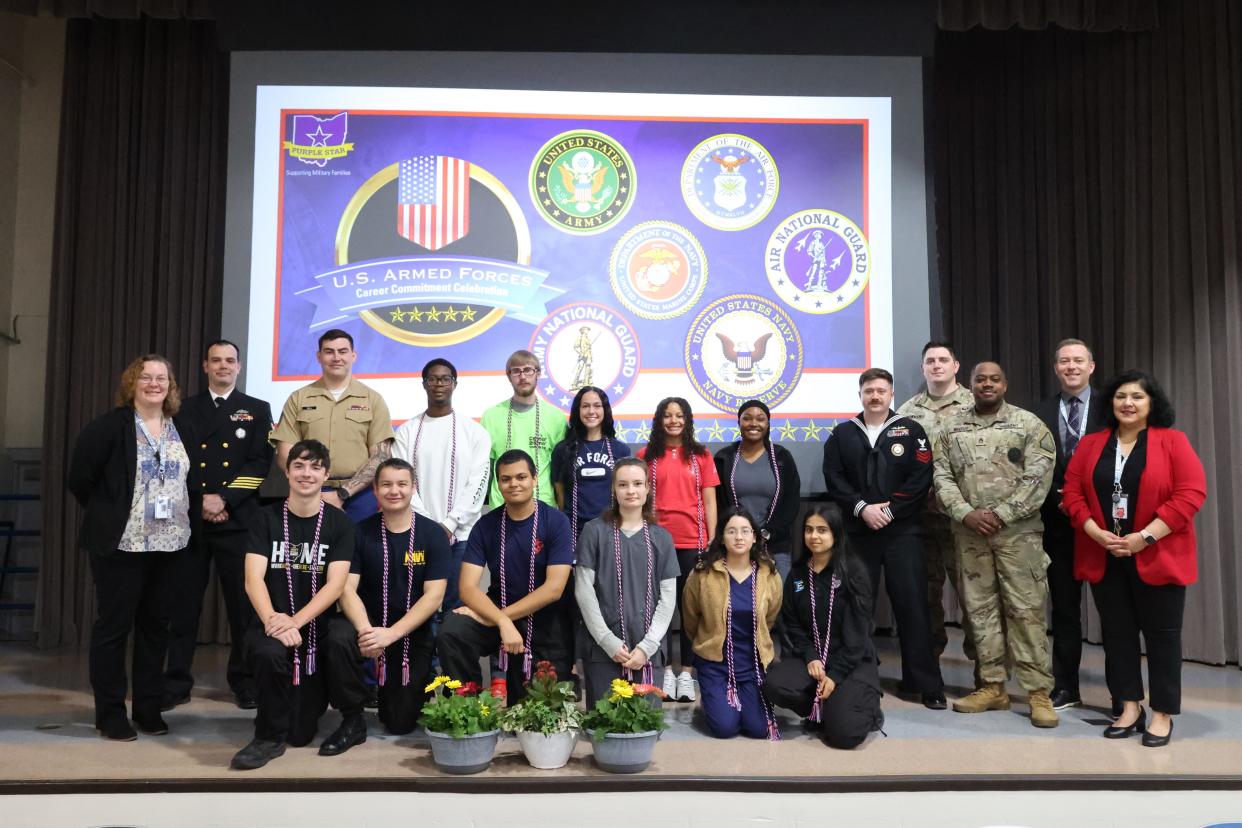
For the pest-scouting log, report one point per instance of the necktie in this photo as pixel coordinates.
(218, 400)
(1073, 425)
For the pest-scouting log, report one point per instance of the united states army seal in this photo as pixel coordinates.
(582, 182)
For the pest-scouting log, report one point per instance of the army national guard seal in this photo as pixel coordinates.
(586, 344)
(582, 182)
(743, 347)
(818, 261)
(729, 182)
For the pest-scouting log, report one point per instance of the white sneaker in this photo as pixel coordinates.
(670, 684)
(685, 687)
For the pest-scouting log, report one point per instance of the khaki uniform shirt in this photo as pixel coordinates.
(349, 427)
(1002, 462)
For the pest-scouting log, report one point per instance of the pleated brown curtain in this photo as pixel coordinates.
(1074, 15)
(1090, 185)
(138, 250)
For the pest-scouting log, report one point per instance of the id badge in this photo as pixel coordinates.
(1121, 508)
(163, 508)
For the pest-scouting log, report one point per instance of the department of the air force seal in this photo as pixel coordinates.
(658, 269)
(582, 182)
(729, 182)
(743, 347)
(818, 261)
(585, 344)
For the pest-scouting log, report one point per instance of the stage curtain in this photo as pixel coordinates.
(120, 9)
(1088, 185)
(1074, 15)
(137, 262)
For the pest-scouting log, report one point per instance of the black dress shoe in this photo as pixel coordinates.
(1062, 699)
(246, 699)
(934, 701)
(170, 701)
(1115, 732)
(256, 754)
(153, 725)
(117, 731)
(1158, 741)
(353, 731)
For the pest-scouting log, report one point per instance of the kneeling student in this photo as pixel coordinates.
(525, 545)
(297, 562)
(396, 583)
(829, 675)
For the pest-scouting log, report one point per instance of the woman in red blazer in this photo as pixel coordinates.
(1131, 493)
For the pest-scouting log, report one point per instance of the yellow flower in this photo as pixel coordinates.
(435, 683)
(453, 684)
(484, 710)
(623, 690)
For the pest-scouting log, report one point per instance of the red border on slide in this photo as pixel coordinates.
(280, 212)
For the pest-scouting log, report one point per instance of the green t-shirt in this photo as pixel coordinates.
(520, 433)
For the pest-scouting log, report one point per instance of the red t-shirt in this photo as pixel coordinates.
(678, 502)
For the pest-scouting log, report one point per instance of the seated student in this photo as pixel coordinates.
(829, 676)
(525, 544)
(395, 585)
(626, 585)
(730, 603)
(297, 561)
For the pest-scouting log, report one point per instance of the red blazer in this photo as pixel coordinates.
(1173, 489)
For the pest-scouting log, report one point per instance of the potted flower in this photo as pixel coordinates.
(625, 726)
(546, 721)
(461, 723)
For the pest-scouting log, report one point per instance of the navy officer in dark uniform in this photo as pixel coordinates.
(232, 455)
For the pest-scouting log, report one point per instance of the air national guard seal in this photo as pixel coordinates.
(658, 270)
(586, 344)
(743, 347)
(582, 182)
(818, 261)
(729, 182)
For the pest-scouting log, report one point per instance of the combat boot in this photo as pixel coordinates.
(1042, 714)
(987, 697)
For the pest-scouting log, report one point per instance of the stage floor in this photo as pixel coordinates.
(50, 745)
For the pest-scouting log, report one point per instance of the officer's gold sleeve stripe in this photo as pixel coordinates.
(245, 477)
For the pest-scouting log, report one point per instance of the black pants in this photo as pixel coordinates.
(1065, 591)
(847, 716)
(289, 713)
(399, 706)
(905, 580)
(227, 550)
(1127, 607)
(132, 592)
(463, 641)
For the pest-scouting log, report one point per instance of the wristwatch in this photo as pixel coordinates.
(1148, 537)
(342, 493)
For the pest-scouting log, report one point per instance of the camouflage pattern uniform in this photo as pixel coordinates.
(1002, 462)
(931, 414)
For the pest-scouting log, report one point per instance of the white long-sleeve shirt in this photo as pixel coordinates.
(435, 463)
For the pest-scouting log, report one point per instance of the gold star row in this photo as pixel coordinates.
(449, 314)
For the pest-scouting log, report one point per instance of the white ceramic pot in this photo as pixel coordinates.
(547, 752)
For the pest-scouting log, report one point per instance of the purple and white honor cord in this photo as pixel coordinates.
(700, 523)
(731, 693)
(452, 488)
(314, 623)
(776, 476)
(648, 610)
(822, 643)
(504, 588)
(536, 442)
(573, 497)
(381, 663)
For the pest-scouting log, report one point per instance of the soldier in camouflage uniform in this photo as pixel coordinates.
(993, 469)
(944, 398)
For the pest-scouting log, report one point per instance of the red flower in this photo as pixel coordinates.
(647, 689)
(545, 670)
(470, 688)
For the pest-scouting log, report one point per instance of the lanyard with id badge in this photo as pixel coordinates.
(161, 504)
(1121, 500)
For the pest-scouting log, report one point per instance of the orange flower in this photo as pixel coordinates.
(648, 689)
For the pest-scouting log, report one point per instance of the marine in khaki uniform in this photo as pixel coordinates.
(993, 469)
(943, 399)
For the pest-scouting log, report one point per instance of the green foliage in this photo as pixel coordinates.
(459, 710)
(549, 706)
(624, 710)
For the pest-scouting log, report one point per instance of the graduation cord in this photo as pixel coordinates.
(698, 501)
(504, 588)
(573, 497)
(536, 441)
(418, 436)
(314, 622)
(731, 693)
(648, 611)
(381, 663)
(822, 645)
(776, 476)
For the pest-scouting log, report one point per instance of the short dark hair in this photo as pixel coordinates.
(1162, 414)
(394, 463)
(514, 456)
(335, 333)
(759, 554)
(440, 361)
(210, 345)
(939, 343)
(874, 374)
(311, 450)
(1064, 343)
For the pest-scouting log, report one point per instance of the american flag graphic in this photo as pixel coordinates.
(433, 200)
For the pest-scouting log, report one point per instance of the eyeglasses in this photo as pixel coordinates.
(526, 371)
(445, 380)
(739, 532)
(147, 379)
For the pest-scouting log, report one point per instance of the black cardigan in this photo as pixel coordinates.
(786, 514)
(101, 476)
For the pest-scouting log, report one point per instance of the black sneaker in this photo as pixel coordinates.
(173, 700)
(1064, 699)
(117, 731)
(353, 731)
(256, 754)
(153, 725)
(934, 701)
